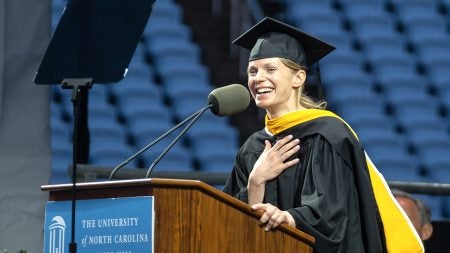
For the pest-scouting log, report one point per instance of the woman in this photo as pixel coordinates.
(327, 187)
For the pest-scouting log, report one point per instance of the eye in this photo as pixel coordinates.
(271, 69)
(252, 71)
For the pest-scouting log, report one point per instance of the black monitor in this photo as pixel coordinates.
(94, 39)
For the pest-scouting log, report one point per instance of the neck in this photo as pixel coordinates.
(278, 113)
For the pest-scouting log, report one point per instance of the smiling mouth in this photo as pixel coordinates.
(263, 90)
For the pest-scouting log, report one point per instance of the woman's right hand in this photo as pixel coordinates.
(272, 161)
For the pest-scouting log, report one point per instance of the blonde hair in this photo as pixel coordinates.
(304, 99)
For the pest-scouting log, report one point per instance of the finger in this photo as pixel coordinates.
(259, 206)
(280, 143)
(273, 219)
(268, 144)
(291, 163)
(290, 152)
(289, 146)
(278, 221)
(264, 218)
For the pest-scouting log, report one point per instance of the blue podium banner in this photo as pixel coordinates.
(116, 225)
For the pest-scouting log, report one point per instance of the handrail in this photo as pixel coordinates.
(87, 172)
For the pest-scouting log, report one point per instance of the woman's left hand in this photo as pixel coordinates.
(273, 216)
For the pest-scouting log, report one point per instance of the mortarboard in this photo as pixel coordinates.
(272, 38)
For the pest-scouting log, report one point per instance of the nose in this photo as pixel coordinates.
(259, 76)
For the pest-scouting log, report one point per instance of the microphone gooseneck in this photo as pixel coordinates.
(223, 101)
(196, 117)
(129, 159)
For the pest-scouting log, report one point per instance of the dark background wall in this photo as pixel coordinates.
(24, 123)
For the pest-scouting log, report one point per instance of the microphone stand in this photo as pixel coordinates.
(195, 118)
(78, 85)
(129, 159)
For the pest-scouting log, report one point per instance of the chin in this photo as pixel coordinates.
(262, 104)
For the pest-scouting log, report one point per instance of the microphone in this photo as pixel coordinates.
(229, 100)
(223, 101)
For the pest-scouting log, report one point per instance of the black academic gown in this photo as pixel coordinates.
(328, 193)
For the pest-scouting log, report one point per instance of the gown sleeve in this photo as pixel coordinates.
(236, 184)
(327, 199)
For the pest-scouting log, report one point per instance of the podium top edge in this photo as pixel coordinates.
(121, 183)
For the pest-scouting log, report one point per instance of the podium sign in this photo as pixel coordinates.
(113, 225)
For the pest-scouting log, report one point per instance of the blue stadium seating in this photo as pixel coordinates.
(401, 48)
(376, 48)
(176, 159)
(356, 10)
(392, 42)
(437, 72)
(344, 89)
(432, 49)
(370, 26)
(304, 10)
(392, 67)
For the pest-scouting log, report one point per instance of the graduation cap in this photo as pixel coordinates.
(272, 38)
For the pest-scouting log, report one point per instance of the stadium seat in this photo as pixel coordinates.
(355, 10)
(411, 11)
(146, 130)
(184, 74)
(425, 29)
(405, 89)
(175, 52)
(166, 11)
(434, 153)
(387, 68)
(207, 137)
(444, 95)
(305, 10)
(320, 23)
(426, 134)
(386, 47)
(399, 169)
(370, 27)
(216, 160)
(433, 49)
(405, 83)
(346, 65)
(145, 115)
(437, 72)
(380, 130)
(111, 155)
(183, 106)
(373, 106)
(390, 156)
(154, 33)
(138, 95)
(341, 91)
(410, 111)
(176, 159)
(343, 41)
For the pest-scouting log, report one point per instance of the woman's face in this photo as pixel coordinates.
(274, 86)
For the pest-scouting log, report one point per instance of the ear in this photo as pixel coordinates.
(299, 79)
(427, 231)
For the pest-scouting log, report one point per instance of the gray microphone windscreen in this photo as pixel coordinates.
(229, 100)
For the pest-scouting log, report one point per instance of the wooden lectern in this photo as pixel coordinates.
(191, 216)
